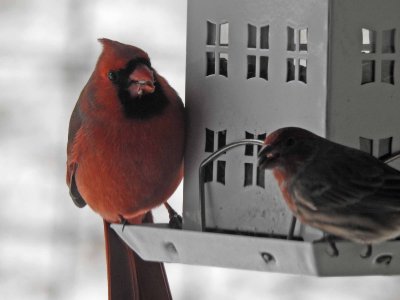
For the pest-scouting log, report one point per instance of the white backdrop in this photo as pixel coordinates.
(49, 249)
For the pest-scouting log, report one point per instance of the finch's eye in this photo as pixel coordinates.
(290, 142)
(113, 76)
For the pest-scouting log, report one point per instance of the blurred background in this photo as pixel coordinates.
(49, 249)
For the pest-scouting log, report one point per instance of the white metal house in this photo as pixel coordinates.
(330, 66)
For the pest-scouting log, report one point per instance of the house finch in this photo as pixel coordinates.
(125, 154)
(339, 190)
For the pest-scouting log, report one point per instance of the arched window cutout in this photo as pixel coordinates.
(368, 41)
(387, 73)
(224, 34)
(211, 33)
(251, 36)
(264, 37)
(368, 71)
(223, 64)
(388, 41)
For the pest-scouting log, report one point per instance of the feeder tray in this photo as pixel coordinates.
(288, 254)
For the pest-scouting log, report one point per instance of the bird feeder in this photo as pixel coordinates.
(329, 66)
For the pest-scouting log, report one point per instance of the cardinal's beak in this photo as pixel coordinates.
(141, 81)
(267, 157)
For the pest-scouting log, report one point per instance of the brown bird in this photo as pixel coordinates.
(340, 190)
(125, 157)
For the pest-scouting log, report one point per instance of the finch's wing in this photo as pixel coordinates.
(74, 126)
(350, 179)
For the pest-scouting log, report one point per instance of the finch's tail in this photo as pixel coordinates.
(130, 277)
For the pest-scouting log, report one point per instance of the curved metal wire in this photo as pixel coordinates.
(230, 146)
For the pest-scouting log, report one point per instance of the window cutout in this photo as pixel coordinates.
(368, 71)
(385, 147)
(291, 46)
(366, 145)
(303, 43)
(248, 174)
(224, 34)
(221, 171)
(210, 63)
(264, 67)
(303, 70)
(262, 138)
(387, 74)
(249, 149)
(221, 139)
(388, 41)
(252, 36)
(211, 33)
(223, 64)
(209, 140)
(264, 37)
(290, 69)
(261, 177)
(251, 66)
(368, 41)
(208, 172)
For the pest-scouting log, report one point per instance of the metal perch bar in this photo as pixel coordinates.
(230, 146)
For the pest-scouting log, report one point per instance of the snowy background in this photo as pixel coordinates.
(49, 249)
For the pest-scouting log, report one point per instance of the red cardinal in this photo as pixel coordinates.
(125, 157)
(340, 190)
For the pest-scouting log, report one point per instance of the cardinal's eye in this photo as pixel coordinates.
(290, 142)
(113, 76)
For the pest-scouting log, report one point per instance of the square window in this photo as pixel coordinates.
(264, 37)
(290, 69)
(303, 37)
(264, 67)
(252, 36)
(368, 71)
(210, 63)
(224, 34)
(251, 66)
(366, 145)
(291, 45)
(368, 41)
(223, 64)
(385, 147)
(388, 41)
(303, 70)
(387, 74)
(211, 33)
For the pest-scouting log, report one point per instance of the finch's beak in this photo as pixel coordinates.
(266, 157)
(141, 81)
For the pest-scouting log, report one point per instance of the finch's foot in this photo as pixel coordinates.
(123, 222)
(332, 250)
(367, 253)
(175, 220)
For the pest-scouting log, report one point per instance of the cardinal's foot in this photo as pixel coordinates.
(175, 220)
(367, 253)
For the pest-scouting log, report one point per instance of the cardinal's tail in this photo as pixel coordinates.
(130, 277)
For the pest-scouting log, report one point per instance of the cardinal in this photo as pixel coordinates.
(342, 191)
(125, 157)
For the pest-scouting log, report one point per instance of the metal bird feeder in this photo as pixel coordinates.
(253, 67)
